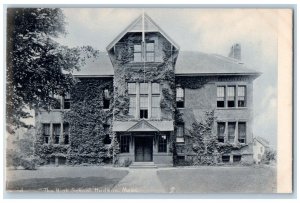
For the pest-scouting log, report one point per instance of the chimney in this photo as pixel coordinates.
(235, 51)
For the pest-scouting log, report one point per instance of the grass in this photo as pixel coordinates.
(64, 178)
(219, 180)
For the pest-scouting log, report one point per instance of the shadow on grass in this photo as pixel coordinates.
(62, 183)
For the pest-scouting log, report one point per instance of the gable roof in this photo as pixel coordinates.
(124, 126)
(188, 63)
(262, 141)
(137, 26)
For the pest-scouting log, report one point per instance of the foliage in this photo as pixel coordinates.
(114, 148)
(87, 119)
(269, 156)
(15, 158)
(37, 66)
(192, 82)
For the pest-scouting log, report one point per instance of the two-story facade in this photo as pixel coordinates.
(135, 92)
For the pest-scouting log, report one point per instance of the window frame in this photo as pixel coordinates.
(126, 145)
(245, 133)
(162, 144)
(66, 133)
(219, 98)
(218, 133)
(178, 126)
(228, 131)
(56, 137)
(244, 96)
(46, 136)
(138, 52)
(180, 100)
(149, 51)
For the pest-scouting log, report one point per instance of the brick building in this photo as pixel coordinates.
(145, 81)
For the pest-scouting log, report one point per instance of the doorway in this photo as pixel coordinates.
(143, 149)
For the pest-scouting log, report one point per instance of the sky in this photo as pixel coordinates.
(204, 30)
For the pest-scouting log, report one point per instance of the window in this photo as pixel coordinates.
(225, 158)
(242, 132)
(231, 96)
(106, 99)
(180, 132)
(221, 131)
(231, 131)
(46, 132)
(179, 97)
(221, 96)
(155, 101)
(66, 129)
(237, 158)
(67, 101)
(144, 100)
(106, 139)
(150, 52)
(56, 133)
(259, 156)
(132, 98)
(57, 102)
(241, 96)
(124, 144)
(162, 143)
(261, 149)
(137, 53)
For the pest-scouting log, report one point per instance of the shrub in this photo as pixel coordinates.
(127, 162)
(29, 163)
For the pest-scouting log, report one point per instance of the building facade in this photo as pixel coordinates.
(145, 95)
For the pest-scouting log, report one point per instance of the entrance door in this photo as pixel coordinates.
(143, 149)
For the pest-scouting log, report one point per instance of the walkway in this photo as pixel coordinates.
(141, 181)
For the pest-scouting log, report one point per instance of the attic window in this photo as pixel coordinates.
(150, 52)
(137, 53)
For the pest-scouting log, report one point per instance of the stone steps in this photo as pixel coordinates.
(143, 165)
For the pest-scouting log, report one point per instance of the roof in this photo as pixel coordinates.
(99, 66)
(262, 141)
(192, 62)
(143, 125)
(142, 24)
(188, 63)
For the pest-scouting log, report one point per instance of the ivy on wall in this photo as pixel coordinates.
(86, 119)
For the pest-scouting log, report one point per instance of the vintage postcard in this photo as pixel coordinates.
(149, 100)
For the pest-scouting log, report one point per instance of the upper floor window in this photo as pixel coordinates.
(231, 96)
(67, 101)
(62, 102)
(106, 98)
(155, 101)
(221, 96)
(241, 96)
(137, 53)
(144, 100)
(132, 98)
(150, 55)
(179, 97)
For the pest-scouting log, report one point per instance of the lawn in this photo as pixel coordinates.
(219, 179)
(65, 179)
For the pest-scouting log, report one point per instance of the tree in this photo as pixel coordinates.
(37, 66)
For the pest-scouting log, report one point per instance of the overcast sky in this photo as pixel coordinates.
(205, 30)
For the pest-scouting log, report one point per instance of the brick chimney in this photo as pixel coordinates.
(235, 51)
